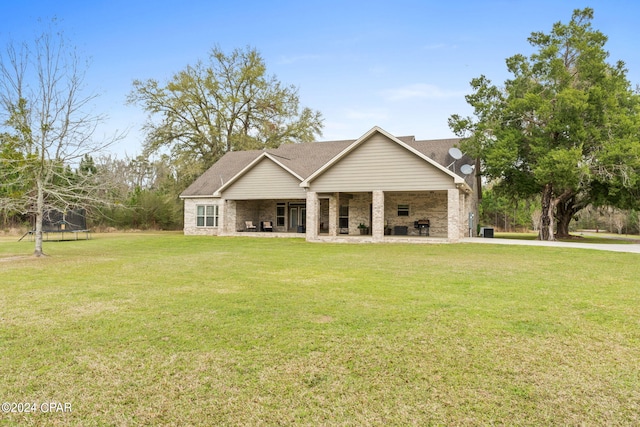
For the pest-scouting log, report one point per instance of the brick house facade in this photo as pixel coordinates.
(376, 188)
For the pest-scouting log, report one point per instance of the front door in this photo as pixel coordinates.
(297, 217)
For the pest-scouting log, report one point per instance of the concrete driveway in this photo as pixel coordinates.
(614, 247)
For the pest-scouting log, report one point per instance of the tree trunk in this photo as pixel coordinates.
(565, 211)
(566, 208)
(562, 224)
(39, 216)
(546, 223)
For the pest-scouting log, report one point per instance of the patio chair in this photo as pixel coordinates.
(267, 226)
(249, 226)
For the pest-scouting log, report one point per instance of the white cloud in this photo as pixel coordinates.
(299, 58)
(378, 70)
(364, 114)
(420, 91)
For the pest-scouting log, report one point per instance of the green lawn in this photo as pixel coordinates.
(162, 329)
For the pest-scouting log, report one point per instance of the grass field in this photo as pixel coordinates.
(163, 329)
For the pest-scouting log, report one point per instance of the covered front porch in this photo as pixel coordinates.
(375, 216)
(286, 216)
(379, 216)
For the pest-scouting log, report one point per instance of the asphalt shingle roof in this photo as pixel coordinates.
(304, 159)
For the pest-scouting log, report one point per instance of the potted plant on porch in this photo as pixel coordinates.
(363, 229)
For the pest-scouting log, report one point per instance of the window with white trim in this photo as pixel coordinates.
(207, 215)
(280, 212)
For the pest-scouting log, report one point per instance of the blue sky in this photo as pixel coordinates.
(402, 65)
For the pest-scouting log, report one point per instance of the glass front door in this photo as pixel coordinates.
(297, 218)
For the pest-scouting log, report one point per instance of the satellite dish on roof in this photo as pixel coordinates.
(455, 153)
(467, 169)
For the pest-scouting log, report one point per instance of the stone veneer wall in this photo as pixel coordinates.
(359, 211)
(431, 205)
(190, 213)
(468, 203)
(464, 214)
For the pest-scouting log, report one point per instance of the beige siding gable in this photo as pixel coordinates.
(265, 180)
(382, 164)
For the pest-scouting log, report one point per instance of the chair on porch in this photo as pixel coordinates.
(248, 226)
(267, 226)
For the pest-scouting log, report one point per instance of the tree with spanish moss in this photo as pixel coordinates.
(566, 126)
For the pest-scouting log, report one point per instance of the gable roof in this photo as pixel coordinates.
(306, 161)
(306, 158)
(457, 179)
(263, 155)
(221, 171)
(299, 159)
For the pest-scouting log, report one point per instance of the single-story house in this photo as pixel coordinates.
(375, 188)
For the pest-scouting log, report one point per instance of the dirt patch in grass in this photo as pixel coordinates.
(16, 258)
(323, 319)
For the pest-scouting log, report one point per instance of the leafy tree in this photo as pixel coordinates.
(560, 126)
(12, 186)
(48, 129)
(145, 191)
(227, 104)
(149, 209)
(501, 210)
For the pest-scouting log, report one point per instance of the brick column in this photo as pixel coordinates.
(377, 226)
(229, 217)
(313, 213)
(464, 215)
(189, 217)
(333, 214)
(453, 215)
(222, 205)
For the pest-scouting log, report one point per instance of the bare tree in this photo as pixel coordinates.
(48, 128)
(617, 219)
(536, 218)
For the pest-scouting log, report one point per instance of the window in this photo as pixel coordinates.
(403, 210)
(343, 217)
(207, 215)
(280, 211)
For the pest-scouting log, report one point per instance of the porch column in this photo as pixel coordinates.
(377, 220)
(453, 215)
(333, 214)
(229, 217)
(464, 216)
(313, 213)
(222, 207)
